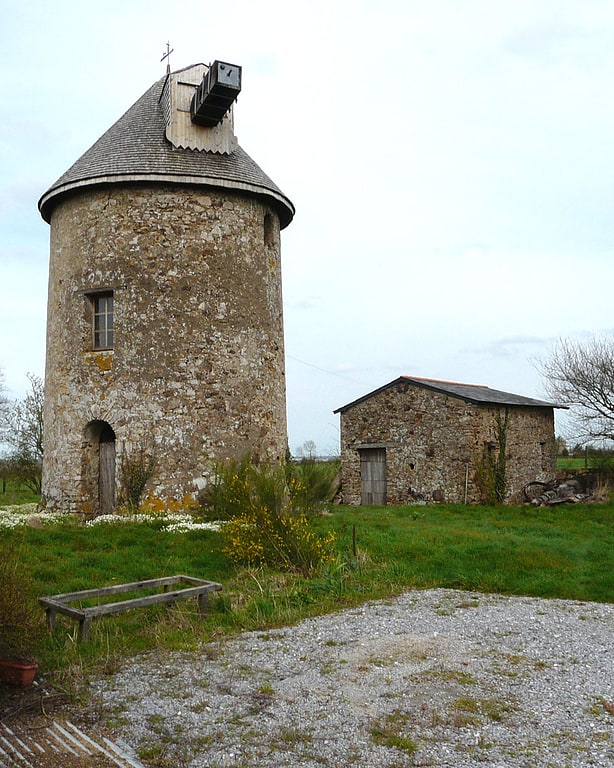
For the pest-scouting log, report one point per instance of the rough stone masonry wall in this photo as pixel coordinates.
(531, 449)
(435, 444)
(197, 369)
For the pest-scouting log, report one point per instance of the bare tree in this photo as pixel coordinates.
(580, 374)
(24, 435)
(307, 450)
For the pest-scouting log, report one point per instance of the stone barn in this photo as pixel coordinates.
(165, 347)
(416, 440)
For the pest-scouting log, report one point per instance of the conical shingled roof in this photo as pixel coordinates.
(135, 149)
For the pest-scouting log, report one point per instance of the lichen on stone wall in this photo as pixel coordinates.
(102, 360)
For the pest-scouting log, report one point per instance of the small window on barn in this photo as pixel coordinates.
(102, 317)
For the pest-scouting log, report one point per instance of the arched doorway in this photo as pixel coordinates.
(100, 440)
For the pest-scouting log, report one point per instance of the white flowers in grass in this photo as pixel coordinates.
(187, 524)
(172, 523)
(120, 519)
(15, 515)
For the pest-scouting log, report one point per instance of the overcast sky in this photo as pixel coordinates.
(451, 163)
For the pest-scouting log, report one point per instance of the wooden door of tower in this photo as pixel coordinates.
(372, 476)
(106, 471)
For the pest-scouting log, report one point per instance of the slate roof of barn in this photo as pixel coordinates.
(135, 148)
(471, 393)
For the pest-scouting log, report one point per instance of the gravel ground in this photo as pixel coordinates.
(437, 677)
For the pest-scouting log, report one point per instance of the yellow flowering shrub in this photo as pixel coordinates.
(265, 526)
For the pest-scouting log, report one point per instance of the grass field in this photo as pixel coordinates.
(576, 463)
(14, 492)
(563, 552)
(582, 462)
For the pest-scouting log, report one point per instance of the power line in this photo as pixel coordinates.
(325, 370)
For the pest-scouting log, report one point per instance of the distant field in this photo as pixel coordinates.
(579, 463)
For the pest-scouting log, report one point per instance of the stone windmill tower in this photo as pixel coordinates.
(164, 328)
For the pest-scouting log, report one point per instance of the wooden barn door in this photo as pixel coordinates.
(106, 472)
(372, 476)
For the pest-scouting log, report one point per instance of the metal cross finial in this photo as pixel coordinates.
(166, 55)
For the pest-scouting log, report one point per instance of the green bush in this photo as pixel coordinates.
(135, 471)
(267, 517)
(228, 494)
(20, 616)
(312, 484)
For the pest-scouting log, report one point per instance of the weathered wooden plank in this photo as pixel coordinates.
(67, 610)
(84, 594)
(141, 602)
(55, 604)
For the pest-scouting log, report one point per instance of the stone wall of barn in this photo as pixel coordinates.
(196, 372)
(436, 445)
